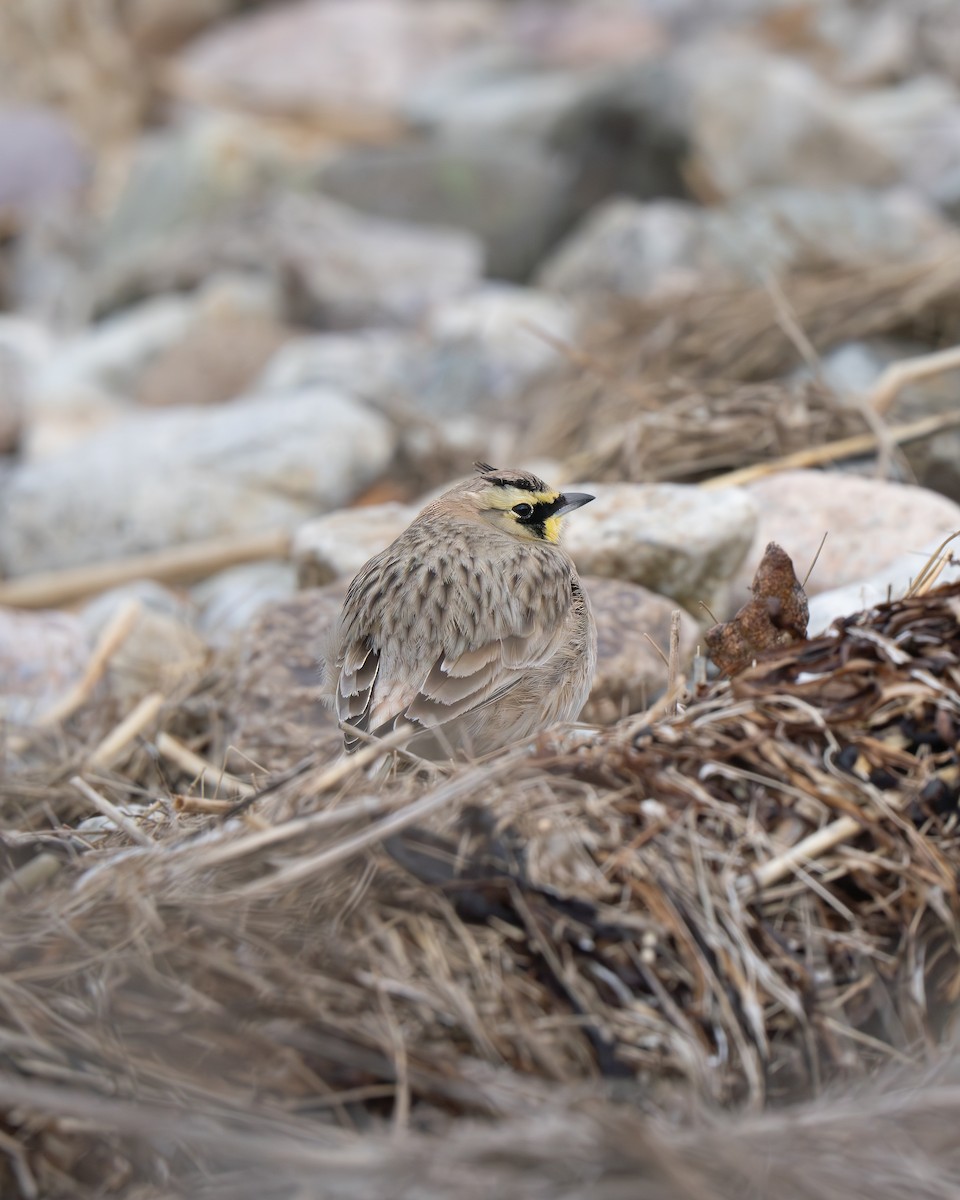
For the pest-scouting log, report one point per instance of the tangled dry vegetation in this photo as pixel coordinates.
(342, 979)
(683, 391)
(543, 974)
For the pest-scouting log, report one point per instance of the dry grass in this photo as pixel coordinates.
(684, 390)
(745, 903)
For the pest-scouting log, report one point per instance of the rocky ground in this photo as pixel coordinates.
(273, 274)
(323, 254)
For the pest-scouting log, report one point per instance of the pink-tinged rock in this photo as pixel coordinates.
(353, 61)
(868, 522)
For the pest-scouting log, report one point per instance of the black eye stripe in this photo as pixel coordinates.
(534, 514)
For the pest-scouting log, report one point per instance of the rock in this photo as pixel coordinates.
(918, 124)
(161, 478)
(231, 599)
(670, 248)
(210, 179)
(170, 349)
(452, 387)
(371, 364)
(627, 248)
(678, 541)
(42, 655)
(218, 358)
(512, 195)
(868, 523)
(23, 347)
(337, 545)
(333, 267)
(42, 164)
(110, 355)
(346, 271)
(276, 672)
(161, 650)
(630, 672)
(480, 352)
(758, 120)
(891, 581)
(349, 63)
(473, 355)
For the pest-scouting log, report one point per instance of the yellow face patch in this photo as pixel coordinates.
(531, 514)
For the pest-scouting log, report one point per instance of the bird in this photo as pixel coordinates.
(472, 629)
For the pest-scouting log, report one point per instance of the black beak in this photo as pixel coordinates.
(571, 500)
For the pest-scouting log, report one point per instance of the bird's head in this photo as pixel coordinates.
(520, 504)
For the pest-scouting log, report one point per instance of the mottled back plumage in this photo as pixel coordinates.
(472, 623)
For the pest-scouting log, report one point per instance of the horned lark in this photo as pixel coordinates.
(472, 628)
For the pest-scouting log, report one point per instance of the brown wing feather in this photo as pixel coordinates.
(442, 638)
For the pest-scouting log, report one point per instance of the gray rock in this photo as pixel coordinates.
(181, 181)
(160, 478)
(372, 364)
(669, 248)
(918, 124)
(453, 386)
(868, 522)
(347, 270)
(42, 655)
(512, 195)
(631, 674)
(758, 120)
(473, 354)
(337, 545)
(231, 599)
(23, 348)
(220, 193)
(628, 248)
(351, 62)
(678, 541)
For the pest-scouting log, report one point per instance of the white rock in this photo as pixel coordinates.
(679, 541)
(368, 363)
(890, 582)
(337, 545)
(161, 478)
(869, 523)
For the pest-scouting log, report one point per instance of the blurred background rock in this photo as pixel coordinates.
(263, 262)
